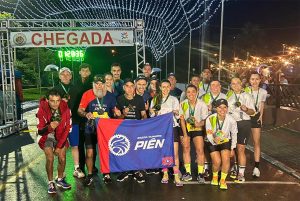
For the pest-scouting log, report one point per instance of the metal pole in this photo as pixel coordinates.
(190, 47)
(166, 64)
(174, 68)
(39, 69)
(221, 40)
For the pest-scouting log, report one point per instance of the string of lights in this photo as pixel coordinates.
(167, 23)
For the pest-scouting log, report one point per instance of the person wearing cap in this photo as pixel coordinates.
(130, 106)
(116, 71)
(95, 103)
(193, 113)
(153, 87)
(162, 104)
(174, 90)
(241, 107)
(147, 71)
(205, 80)
(221, 130)
(259, 96)
(69, 93)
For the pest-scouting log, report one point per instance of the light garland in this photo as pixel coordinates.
(167, 23)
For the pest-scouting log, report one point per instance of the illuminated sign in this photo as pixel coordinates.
(71, 55)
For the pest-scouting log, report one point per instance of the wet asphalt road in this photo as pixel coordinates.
(23, 177)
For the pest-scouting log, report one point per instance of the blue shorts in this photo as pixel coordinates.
(74, 135)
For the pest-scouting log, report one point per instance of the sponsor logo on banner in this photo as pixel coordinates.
(167, 161)
(20, 39)
(71, 38)
(119, 145)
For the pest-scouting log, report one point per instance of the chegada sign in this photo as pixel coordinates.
(71, 38)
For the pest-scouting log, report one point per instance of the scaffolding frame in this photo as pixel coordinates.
(9, 110)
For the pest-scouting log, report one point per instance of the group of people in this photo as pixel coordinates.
(218, 124)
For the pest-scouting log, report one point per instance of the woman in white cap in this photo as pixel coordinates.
(221, 130)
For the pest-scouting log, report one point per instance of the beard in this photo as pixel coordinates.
(98, 92)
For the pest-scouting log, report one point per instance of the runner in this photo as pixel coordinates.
(195, 80)
(54, 124)
(193, 113)
(116, 71)
(205, 80)
(211, 97)
(109, 82)
(259, 95)
(70, 95)
(221, 131)
(131, 106)
(95, 103)
(174, 90)
(162, 104)
(241, 106)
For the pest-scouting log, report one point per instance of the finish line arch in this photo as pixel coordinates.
(23, 33)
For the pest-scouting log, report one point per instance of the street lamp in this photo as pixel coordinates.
(51, 68)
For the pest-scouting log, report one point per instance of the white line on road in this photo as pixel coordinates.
(250, 182)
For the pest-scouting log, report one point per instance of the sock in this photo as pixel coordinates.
(165, 170)
(223, 176)
(256, 164)
(206, 165)
(59, 179)
(176, 172)
(187, 167)
(50, 182)
(215, 174)
(200, 169)
(75, 167)
(242, 169)
(90, 175)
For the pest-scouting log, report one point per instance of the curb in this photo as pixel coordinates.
(277, 163)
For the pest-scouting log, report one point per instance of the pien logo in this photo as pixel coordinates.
(119, 145)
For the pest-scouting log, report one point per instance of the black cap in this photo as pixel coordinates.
(171, 74)
(141, 77)
(221, 101)
(128, 80)
(99, 78)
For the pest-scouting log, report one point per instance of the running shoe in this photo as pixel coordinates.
(88, 180)
(177, 181)
(200, 179)
(51, 188)
(187, 177)
(63, 184)
(150, 171)
(64, 176)
(139, 177)
(214, 181)
(165, 178)
(206, 173)
(233, 174)
(78, 173)
(256, 172)
(240, 179)
(122, 176)
(106, 178)
(223, 184)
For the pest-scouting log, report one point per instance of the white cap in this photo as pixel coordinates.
(64, 69)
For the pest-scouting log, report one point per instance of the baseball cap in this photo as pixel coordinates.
(171, 74)
(64, 69)
(140, 77)
(99, 78)
(221, 101)
(128, 80)
(153, 77)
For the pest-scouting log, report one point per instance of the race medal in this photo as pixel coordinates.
(238, 104)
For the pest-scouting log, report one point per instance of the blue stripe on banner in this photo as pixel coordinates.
(142, 144)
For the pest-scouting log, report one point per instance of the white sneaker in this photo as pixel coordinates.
(78, 173)
(256, 172)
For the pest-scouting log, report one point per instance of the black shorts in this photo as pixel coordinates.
(220, 147)
(90, 140)
(177, 133)
(254, 122)
(244, 131)
(193, 134)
